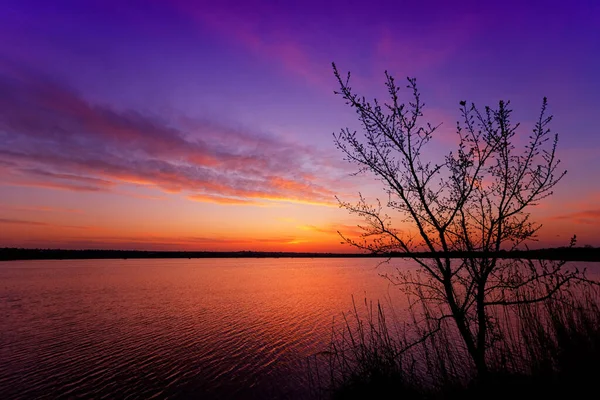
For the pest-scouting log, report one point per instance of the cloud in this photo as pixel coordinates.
(12, 221)
(586, 217)
(54, 185)
(265, 37)
(155, 242)
(411, 52)
(40, 208)
(303, 45)
(333, 229)
(52, 137)
(86, 179)
(221, 200)
(22, 222)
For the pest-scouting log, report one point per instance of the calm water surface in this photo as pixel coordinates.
(209, 328)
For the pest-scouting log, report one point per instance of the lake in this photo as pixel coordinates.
(200, 328)
(206, 328)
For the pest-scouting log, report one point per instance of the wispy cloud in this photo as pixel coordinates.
(39, 208)
(12, 221)
(255, 32)
(221, 200)
(413, 52)
(54, 185)
(333, 229)
(53, 138)
(157, 242)
(22, 222)
(72, 177)
(586, 217)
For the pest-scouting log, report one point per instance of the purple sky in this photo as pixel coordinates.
(207, 124)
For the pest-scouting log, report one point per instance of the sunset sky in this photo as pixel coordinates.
(207, 125)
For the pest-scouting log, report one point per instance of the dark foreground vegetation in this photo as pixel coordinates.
(487, 323)
(559, 253)
(548, 350)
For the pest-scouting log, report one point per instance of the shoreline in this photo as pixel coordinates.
(21, 254)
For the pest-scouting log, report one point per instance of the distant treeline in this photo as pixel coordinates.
(559, 253)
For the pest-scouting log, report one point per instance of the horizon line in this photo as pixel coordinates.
(583, 253)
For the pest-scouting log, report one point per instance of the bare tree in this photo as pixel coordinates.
(474, 201)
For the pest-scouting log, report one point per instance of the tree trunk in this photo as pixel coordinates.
(480, 361)
(463, 328)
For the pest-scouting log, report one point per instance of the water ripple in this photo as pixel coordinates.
(172, 329)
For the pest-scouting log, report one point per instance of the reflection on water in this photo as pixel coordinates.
(210, 328)
(220, 328)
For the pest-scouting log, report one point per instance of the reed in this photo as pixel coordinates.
(549, 349)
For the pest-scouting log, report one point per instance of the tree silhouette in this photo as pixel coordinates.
(475, 200)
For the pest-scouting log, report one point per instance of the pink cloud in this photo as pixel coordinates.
(411, 53)
(221, 200)
(72, 177)
(52, 133)
(12, 221)
(154, 242)
(263, 36)
(54, 185)
(352, 231)
(39, 208)
(586, 217)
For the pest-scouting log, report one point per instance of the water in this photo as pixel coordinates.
(208, 328)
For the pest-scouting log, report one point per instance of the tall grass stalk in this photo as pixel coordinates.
(551, 348)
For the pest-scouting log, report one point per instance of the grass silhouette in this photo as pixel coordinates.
(545, 350)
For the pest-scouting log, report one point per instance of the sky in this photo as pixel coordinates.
(207, 125)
